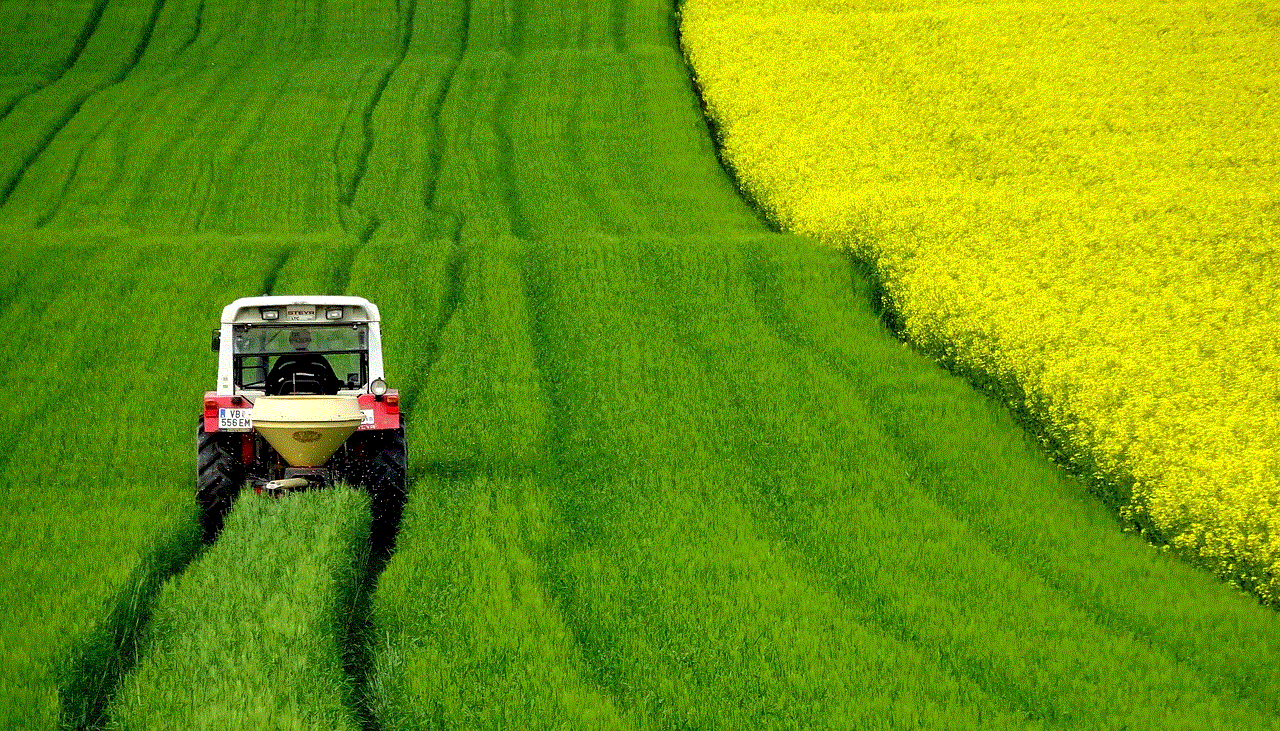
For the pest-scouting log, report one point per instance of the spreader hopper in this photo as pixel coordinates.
(306, 430)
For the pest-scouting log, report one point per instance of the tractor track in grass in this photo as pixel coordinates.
(359, 639)
(130, 63)
(436, 154)
(91, 673)
(77, 48)
(347, 207)
(667, 468)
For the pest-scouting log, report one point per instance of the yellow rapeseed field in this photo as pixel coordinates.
(1077, 202)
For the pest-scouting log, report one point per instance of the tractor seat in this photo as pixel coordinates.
(302, 373)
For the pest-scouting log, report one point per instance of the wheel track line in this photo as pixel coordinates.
(201, 212)
(516, 25)
(196, 27)
(441, 102)
(575, 147)
(620, 10)
(121, 157)
(340, 186)
(357, 638)
(138, 51)
(273, 274)
(896, 627)
(786, 330)
(86, 32)
(49, 215)
(876, 623)
(347, 197)
(572, 143)
(165, 154)
(517, 224)
(361, 634)
(641, 196)
(346, 201)
(189, 221)
(232, 162)
(540, 306)
(89, 679)
(191, 215)
(449, 304)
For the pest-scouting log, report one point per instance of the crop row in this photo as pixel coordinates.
(1069, 204)
(252, 634)
(668, 467)
(746, 514)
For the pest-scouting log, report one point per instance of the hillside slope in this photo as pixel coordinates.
(669, 470)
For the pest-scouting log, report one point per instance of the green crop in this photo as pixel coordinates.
(668, 467)
(101, 381)
(747, 515)
(251, 634)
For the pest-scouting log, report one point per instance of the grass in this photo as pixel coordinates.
(98, 441)
(252, 634)
(669, 469)
(879, 551)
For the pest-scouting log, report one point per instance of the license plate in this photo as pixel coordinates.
(234, 418)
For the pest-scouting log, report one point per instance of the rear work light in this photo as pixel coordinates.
(334, 313)
(269, 313)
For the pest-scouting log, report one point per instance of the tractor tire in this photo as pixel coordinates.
(383, 473)
(219, 475)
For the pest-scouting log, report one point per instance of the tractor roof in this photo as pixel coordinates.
(249, 309)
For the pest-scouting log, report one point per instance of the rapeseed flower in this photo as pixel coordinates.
(1074, 204)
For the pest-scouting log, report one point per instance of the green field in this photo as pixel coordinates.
(669, 470)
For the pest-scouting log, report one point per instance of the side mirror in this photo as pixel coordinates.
(217, 340)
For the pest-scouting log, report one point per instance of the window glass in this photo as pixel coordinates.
(250, 339)
(257, 348)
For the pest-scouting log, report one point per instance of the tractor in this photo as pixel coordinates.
(301, 403)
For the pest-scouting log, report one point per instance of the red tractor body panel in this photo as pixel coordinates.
(232, 413)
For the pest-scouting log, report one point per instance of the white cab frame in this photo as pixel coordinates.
(248, 310)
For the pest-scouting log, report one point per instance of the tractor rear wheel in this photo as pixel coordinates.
(382, 471)
(219, 476)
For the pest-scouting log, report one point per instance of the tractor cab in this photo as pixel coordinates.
(301, 402)
(270, 346)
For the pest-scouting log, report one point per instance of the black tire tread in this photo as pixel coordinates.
(219, 476)
(383, 473)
